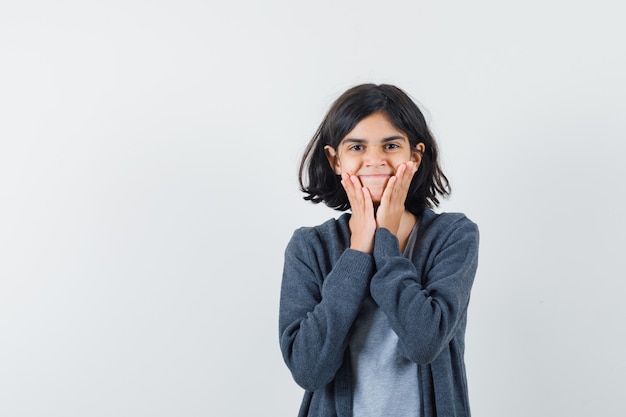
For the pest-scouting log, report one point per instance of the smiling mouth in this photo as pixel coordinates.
(375, 178)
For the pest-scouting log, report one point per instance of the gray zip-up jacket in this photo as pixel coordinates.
(425, 299)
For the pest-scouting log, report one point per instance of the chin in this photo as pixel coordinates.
(376, 199)
(376, 190)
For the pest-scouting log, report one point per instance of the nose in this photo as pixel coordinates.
(374, 157)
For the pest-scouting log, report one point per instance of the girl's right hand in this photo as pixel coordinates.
(362, 222)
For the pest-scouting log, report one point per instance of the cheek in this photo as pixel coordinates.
(401, 160)
(397, 164)
(349, 165)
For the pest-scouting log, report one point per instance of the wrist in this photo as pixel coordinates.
(362, 246)
(392, 228)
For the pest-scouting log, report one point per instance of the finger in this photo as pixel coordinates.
(398, 185)
(348, 185)
(369, 204)
(358, 189)
(353, 187)
(388, 192)
(406, 175)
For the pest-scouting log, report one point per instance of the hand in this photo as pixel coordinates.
(362, 222)
(392, 202)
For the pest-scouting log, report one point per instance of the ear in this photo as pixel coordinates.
(333, 159)
(417, 153)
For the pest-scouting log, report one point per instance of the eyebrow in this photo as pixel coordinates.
(385, 140)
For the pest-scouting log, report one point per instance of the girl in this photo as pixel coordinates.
(373, 305)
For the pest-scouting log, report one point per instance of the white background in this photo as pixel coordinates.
(148, 162)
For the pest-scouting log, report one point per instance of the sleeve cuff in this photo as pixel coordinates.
(386, 244)
(351, 273)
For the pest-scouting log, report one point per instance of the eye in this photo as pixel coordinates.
(391, 146)
(356, 148)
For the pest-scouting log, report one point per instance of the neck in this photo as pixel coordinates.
(407, 222)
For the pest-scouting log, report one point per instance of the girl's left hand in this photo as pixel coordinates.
(392, 202)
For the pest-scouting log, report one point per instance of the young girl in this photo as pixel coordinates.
(373, 305)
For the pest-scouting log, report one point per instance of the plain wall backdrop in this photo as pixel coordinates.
(148, 187)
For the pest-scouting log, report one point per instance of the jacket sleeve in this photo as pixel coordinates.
(426, 303)
(317, 311)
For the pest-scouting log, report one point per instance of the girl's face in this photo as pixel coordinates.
(373, 151)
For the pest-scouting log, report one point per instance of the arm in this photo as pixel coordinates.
(426, 317)
(316, 311)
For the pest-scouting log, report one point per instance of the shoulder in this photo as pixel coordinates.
(447, 224)
(445, 219)
(329, 227)
(333, 232)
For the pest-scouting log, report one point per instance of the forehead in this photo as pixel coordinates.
(375, 127)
